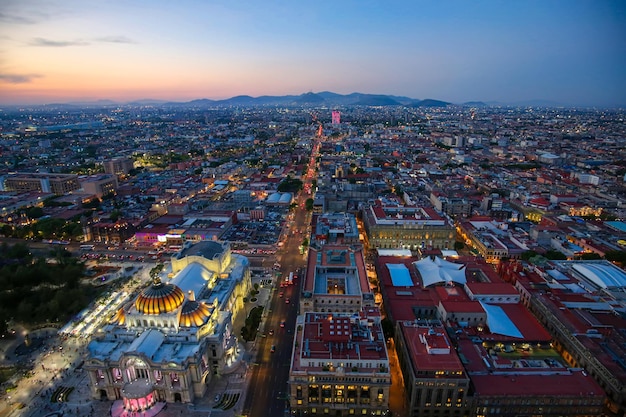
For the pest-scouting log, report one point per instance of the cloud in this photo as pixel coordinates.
(114, 39)
(56, 44)
(18, 19)
(18, 78)
(78, 42)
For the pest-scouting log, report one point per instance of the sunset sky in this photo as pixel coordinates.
(571, 52)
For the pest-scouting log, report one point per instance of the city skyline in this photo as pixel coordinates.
(570, 53)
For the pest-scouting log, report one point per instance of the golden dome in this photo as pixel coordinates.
(194, 314)
(159, 298)
(119, 318)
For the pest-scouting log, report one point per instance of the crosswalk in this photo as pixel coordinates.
(228, 400)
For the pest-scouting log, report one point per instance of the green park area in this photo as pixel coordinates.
(41, 290)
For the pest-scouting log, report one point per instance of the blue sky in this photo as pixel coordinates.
(570, 52)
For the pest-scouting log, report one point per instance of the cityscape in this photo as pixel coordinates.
(313, 259)
(285, 209)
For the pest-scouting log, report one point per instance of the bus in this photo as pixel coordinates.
(290, 279)
(87, 247)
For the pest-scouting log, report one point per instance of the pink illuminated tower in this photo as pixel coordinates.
(336, 117)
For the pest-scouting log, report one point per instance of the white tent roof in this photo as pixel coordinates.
(499, 322)
(400, 276)
(437, 270)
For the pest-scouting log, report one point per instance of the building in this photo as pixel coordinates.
(391, 224)
(336, 117)
(340, 365)
(492, 239)
(279, 199)
(467, 346)
(10, 202)
(118, 166)
(453, 206)
(582, 304)
(336, 228)
(336, 281)
(167, 343)
(99, 185)
(110, 232)
(58, 184)
(435, 380)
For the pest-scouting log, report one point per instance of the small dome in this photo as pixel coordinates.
(119, 318)
(159, 298)
(194, 314)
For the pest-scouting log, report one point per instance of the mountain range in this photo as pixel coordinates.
(324, 98)
(316, 99)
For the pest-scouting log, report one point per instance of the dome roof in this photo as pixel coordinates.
(194, 314)
(119, 318)
(159, 298)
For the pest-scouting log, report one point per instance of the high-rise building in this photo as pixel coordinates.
(336, 117)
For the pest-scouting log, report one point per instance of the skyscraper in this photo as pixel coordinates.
(336, 117)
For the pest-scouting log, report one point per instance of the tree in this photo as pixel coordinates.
(526, 255)
(618, 256)
(590, 256)
(308, 204)
(34, 212)
(115, 215)
(289, 184)
(555, 255)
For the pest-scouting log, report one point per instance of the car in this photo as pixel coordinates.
(273, 349)
(280, 294)
(287, 301)
(271, 332)
(282, 323)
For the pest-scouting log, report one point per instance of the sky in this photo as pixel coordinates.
(569, 52)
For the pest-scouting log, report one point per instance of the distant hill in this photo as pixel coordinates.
(147, 102)
(372, 100)
(323, 98)
(310, 98)
(430, 103)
